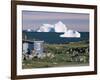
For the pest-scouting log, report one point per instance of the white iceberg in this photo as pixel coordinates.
(71, 33)
(60, 27)
(29, 30)
(45, 28)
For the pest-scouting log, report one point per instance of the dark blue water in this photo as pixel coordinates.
(52, 37)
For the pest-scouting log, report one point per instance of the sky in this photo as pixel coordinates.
(75, 21)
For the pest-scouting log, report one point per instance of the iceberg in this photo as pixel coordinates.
(45, 28)
(60, 27)
(29, 30)
(71, 33)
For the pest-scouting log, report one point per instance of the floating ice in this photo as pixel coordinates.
(46, 28)
(71, 33)
(58, 28)
(29, 30)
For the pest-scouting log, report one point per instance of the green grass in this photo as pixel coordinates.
(46, 64)
(71, 44)
(62, 56)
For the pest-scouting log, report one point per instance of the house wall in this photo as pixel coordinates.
(25, 47)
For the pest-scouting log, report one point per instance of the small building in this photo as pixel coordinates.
(27, 46)
(37, 46)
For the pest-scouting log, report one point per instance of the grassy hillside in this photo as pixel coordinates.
(69, 54)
